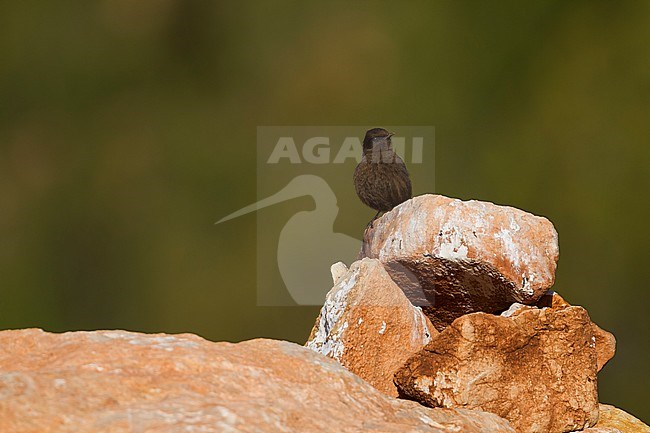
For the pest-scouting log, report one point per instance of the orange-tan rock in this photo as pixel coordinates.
(599, 430)
(467, 256)
(605, 341)
(368, 324)
(536, 368)
(615, 418)
(118, 381)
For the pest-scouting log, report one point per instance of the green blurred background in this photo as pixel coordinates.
(127, 127)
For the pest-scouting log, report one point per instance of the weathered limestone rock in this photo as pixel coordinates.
(118, 381)
(369, 326)
(467, 256)
(614, 418)
(605, 341)
(537, 369)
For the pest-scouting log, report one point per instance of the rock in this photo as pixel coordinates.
(516, 309)
(118, 381)
(605, 346)
(605, 341)
(537, 369)
(468, 256)
(552, 299)
(369, 326)
(338, 270)
(614, 418)
(599, 430)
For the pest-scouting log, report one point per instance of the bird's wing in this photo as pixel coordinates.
(400, 183)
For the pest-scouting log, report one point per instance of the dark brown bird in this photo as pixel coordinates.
(381, 179)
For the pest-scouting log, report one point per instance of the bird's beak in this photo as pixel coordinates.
(390, 134)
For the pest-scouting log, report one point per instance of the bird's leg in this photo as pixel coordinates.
(373, 219)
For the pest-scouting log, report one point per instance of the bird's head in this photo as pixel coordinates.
(376, 136)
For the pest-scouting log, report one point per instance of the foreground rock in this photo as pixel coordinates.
(600, 430)
(368, 325)
(537, 369)
(117, 381)
(467, 256)
(605, 341)
(614, 418)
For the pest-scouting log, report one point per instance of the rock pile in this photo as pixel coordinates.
(448, 306)
(503, 341)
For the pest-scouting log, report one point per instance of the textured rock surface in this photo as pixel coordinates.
(369, 326)
(615, 418)
(600, 430)
(605, 341)
(536, 369)
(467, 256)
(116, 381)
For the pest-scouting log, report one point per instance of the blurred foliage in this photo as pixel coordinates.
(128, 127)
